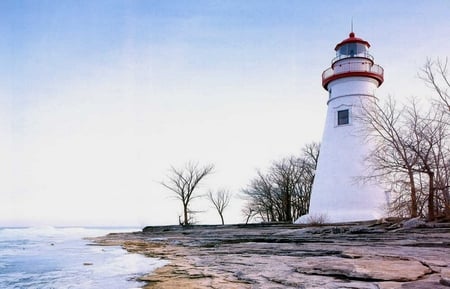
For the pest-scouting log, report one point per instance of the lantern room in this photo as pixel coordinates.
(352, 47)
(352, 60)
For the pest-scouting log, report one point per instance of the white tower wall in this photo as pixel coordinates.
(338, 193)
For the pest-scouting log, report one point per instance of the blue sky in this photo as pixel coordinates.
(99, 98)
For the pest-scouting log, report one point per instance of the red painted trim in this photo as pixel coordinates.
(376, 76)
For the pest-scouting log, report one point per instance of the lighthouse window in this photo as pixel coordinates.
(352, 49)
(343, 117)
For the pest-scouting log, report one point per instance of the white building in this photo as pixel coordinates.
(337, 195)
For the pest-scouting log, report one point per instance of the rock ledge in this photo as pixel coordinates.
(263, 256)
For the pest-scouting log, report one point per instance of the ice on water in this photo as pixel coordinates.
(48, 257)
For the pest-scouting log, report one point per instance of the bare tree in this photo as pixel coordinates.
(220, 200)
(248, 212)
(430, 135)
(308, 160)
(410, 151)
(261, 199)
(283, 193)
(183, 182)
(436, 75)
(384, 127)
(310, 154)
(285, 174)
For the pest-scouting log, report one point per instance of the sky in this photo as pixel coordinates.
(98, 99)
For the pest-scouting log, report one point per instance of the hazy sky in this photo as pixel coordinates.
(99, 98)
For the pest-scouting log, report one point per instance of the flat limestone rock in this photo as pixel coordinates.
(365, 269)
(445, 277)
(286, 256)
(390, 285)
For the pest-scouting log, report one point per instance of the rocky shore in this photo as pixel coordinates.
(383, 255)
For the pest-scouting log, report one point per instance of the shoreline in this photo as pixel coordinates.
(364, 255)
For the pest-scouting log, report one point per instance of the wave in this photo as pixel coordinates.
(52, 257)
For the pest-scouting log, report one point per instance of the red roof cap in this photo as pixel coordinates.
(352, 39)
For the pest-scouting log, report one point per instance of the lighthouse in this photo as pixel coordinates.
(338, 194)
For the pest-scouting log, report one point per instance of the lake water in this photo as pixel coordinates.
(59, 258)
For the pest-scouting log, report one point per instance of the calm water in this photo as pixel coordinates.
(55, 258)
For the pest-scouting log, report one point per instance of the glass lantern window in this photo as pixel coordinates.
(352, 49)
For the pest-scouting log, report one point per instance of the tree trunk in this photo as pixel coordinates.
(287, 208)
(221, 217)
(186, 220)
(248, 218)
(446, 194)
(413, 194)
(431, 214)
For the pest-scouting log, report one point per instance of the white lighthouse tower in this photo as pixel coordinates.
(337, 195)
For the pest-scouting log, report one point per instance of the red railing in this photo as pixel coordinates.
(353, 69)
